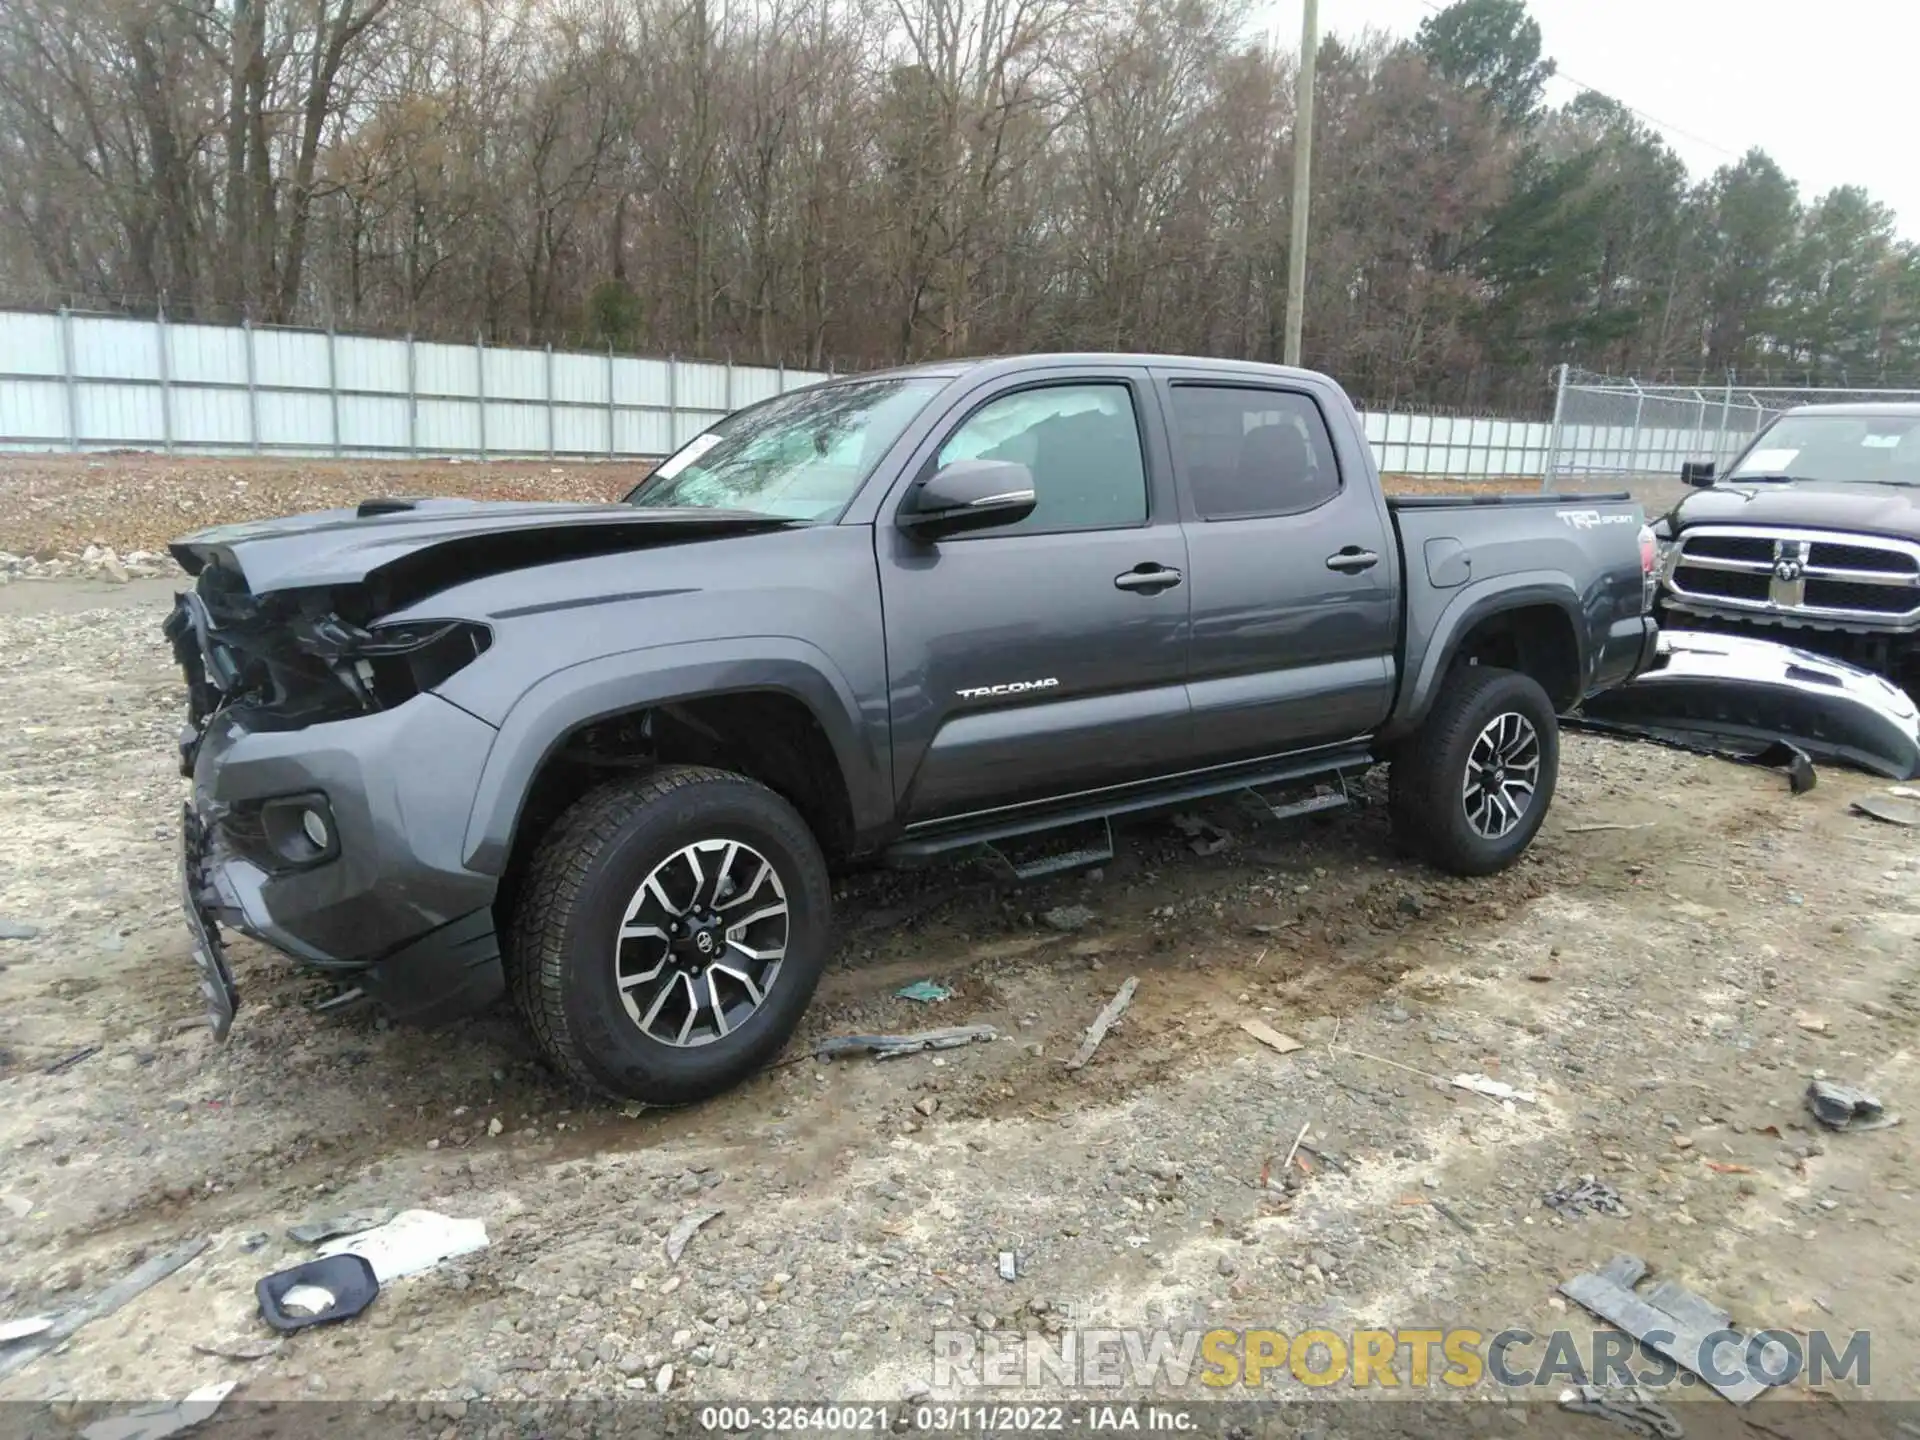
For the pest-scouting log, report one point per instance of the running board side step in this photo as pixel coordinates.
(1097, 850)
(1291, 804)
(1275, 785)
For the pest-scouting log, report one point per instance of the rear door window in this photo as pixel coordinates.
(1248, 452)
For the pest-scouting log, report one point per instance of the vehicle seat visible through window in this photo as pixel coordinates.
(1275, 472)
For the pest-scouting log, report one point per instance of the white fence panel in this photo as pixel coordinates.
(89, 382)
(31, 344)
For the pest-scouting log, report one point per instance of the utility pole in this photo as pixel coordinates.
(1302, 176)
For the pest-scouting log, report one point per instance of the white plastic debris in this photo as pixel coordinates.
(12, 1330)
(414, 1240)
(154, 1422)
(308, 1299)
(1494, 1089)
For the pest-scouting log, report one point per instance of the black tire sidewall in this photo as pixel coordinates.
(1452, 843)
(621, 1057)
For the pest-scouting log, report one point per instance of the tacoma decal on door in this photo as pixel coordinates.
(1012, 687)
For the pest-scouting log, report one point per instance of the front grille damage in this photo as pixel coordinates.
(1856, 583)
(299, 658)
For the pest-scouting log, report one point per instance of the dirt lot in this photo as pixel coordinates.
(1684, 947)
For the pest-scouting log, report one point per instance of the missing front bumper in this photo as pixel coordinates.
(1706, 687)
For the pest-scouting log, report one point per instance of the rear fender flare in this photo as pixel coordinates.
(1473, 604)
(562, 702)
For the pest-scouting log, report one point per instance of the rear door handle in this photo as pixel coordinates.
(1149, 578)
(1351, 560)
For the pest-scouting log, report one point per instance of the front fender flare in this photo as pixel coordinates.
(1466, 609)
(562, 702)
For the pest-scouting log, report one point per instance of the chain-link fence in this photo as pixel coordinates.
(1620, 430)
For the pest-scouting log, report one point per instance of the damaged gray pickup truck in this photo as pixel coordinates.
(603, 756)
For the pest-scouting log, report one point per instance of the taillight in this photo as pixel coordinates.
(1649, 551)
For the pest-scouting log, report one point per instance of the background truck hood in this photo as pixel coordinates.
(460, 539)
(1805, 504)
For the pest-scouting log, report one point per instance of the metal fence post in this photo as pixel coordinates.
(1633, 456)
(253, 386)
(166, 383)
(550, 400)
(67, 376)
(611, 414)
(1726, 408)
(783, 375)
(1553, 434)
(729, 395)
(333, 389)
(413, 401)
(673, 404)
(480, 387)
(1699, 424)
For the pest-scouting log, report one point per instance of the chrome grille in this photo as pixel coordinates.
(1808, 575)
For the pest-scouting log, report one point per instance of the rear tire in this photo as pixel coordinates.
(670, 933)
(1469, 791)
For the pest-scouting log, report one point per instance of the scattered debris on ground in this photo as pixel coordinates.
(684, 1229)
(924, 991)
(1068, 918)
(1493, 1089)
(155, 1422)
(312, 1232)
(1842, 1107)
(888, 1047)
(1268, 1036)
(1628, 1406)
(1695, 1334)
(318, 1292)
(1577, 1197)
(1102, 1023)
(1203, 836)
(101, 1305)
(1888, 809)
(414, 1240)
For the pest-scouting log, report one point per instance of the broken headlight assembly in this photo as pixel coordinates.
(301, 663)
(394, 663)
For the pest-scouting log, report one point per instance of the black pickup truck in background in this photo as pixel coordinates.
(1811, 539)
(603, 756)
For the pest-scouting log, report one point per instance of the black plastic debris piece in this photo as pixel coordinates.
(1577, 1197)
(1842, 1107)
(1801, 776)
(1773, 755)
(348, 1283)
(1693, 1333)
(886, 1047)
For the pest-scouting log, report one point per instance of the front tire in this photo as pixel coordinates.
(670, 934)
(1469, 792)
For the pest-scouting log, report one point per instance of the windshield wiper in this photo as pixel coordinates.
(1763, 477)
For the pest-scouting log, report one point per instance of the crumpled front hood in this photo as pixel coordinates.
(1805, 504)
(458, 539)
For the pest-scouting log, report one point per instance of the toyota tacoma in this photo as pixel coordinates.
(603, 757)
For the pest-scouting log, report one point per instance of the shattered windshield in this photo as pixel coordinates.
(800, 456)
(1861, 449)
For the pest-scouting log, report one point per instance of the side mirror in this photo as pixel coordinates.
(1697, 473)
(968, 495)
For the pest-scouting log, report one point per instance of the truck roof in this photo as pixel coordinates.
(1888, 409)
(996, 364)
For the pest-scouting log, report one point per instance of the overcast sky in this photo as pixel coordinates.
(1829, 89)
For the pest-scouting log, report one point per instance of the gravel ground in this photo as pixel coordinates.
(1683, 948)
